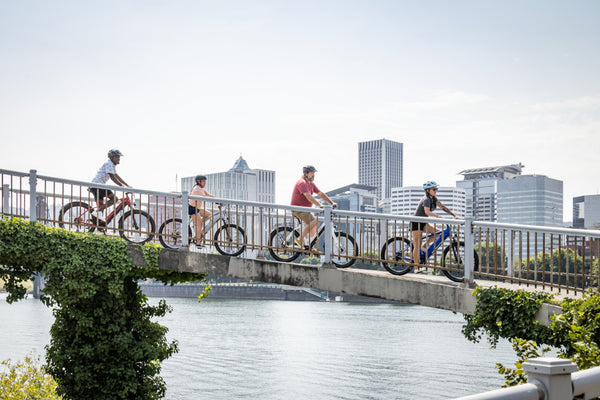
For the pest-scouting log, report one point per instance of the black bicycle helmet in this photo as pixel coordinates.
(114, 152)
(308, 168)
(200, 178)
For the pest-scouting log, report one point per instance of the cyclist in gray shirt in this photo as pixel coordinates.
(425, 208)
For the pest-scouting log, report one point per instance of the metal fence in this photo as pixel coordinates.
(554, 258)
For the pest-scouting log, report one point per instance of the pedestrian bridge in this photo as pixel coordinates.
(249, 240)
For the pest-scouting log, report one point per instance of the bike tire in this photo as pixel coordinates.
(76, 217)
(397, 251)
(137, 226)
(279, 249)
(341, 256)
(456, 270)
(230, 240)
(169, 233)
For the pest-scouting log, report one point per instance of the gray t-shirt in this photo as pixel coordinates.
(426, 201)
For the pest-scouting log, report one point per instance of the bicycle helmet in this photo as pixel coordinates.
(308, 168)
(200, 178)
(114, 152)
(430, 184)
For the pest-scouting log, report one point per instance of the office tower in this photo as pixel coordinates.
(586, 212)
(530, 200)
(480, 185)
(239, 183)
(406, 199)
(380, 165)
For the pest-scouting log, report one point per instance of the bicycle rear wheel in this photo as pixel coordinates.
(344, 249)
(137, 226)
(281, 244)
(169, 233)
(76, 217)
(453, 261)
(230, 240)
(396, 253)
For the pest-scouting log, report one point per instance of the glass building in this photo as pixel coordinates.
(586, 212)
(481, 188)
(380, 165)
(530, 200)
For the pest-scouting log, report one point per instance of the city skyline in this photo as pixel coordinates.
(185, 87)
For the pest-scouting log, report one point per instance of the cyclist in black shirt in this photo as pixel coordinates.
(425, 209)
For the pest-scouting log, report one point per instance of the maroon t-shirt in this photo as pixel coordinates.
(301, 187)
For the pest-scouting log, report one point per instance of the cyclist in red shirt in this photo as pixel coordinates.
(302, 195)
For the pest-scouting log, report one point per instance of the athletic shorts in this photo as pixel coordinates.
(418, 226)
(99, 193)
(303, 216)
(193, 210)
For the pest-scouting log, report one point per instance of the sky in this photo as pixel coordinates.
(184, 87)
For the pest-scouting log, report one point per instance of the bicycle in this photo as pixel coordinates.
(229, 238)
(134, 225)
(398, 252)
(283, 247)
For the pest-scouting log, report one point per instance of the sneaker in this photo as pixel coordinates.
(99, 215)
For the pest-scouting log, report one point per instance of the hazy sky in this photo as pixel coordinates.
(186, 87)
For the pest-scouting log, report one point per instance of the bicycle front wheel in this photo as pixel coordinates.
(453, 261)
(281, 244)
(76, 217)
(396, 253)
(169, 233)
(137, 226)
(230, 240)
(344, 250)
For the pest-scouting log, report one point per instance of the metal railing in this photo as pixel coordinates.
(549, 379)
(542, 257)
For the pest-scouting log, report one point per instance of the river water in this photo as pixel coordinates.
(251, 349)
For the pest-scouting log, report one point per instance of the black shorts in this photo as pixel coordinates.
(99, 193)
(193, 210)
(418, 226)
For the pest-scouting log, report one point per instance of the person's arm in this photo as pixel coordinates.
(311, 198)
(118, 180)
(327, 199)
(446, 209)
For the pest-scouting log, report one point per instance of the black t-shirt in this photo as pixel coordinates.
(426, 201)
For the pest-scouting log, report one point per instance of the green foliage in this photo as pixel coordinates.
(492, 256)
(103, 341)
(504, 313)
(26, 380)
(525, 350)
(577, 330)
(546, 268)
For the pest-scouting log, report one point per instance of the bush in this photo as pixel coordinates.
(27, 380)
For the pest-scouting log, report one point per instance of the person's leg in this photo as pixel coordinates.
(203, 216)
(429, 229)
(416, 237)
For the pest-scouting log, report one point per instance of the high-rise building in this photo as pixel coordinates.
(239, 183)
(380, 165)
(481, 188)
(406, 199)
(530, 200)
(586, 212)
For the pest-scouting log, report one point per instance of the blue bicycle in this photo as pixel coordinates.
(397, 255)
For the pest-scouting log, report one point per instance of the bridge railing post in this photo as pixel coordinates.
(554, 374)
(5, 199)
(469, 251)
(328, 234)
(185, 219)
(32, 195)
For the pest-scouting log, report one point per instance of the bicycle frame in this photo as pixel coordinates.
(441, 236)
